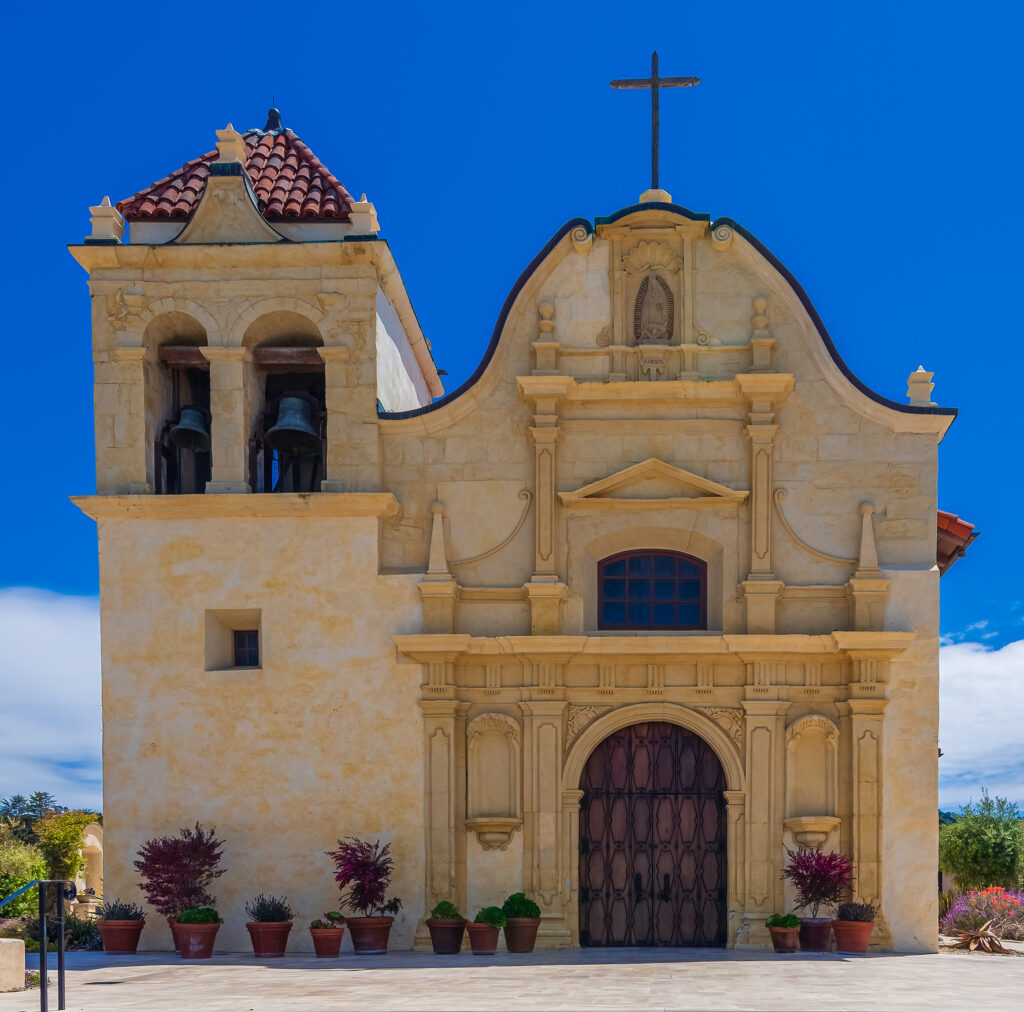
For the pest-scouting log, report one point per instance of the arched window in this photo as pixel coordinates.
(652, 590)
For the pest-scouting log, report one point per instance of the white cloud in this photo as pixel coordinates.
(982, 712)
(50, 729)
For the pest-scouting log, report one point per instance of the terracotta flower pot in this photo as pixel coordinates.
(369, 934)
(785, 939)
(269, 938)
(815, 934)
(483, 938)
(120, 937)
(196, 940)
(521, 933)
(853, 936)
(446, 934)
(172, 923)
(327, 941)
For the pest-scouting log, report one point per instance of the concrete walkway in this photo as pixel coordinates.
(570, 979)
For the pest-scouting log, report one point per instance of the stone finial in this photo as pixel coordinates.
(363, 217)
(231, 145)
(107, 223)
(437, 567)
(868, 562)
(920, 387)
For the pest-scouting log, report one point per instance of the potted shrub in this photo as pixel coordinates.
(853, 926)
(120, 925)
(327, 933)
(197, 930)
(483, 931)
(785, 931)
(270, 920)
(177, 872)
(446, 926)
(522, 919)
(363, 873)
(819, 878)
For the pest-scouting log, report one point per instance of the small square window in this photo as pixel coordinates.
(247, 648)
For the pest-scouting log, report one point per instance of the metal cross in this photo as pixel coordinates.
(654, 83)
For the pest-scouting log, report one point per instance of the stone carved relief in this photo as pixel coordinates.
(653, 311)
(647, 256)
(730, 720)
(580, 717)
(494, 809)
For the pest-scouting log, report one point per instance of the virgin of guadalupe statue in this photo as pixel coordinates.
(653, 315)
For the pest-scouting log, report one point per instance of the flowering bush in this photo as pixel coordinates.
(970, 910)
(818, 878)
(363, 873)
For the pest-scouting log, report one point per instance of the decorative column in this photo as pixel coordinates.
(545, 590)
(233, 396)
(569, 878)
(444, 738)
(765, 762)
(735, 860)
(761, 589)
(543, 816)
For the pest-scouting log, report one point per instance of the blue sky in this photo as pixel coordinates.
(871, 146)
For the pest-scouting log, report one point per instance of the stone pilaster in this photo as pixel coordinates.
(234, 400)
(124, 452)
(765, 770)
(735, 818)
(543, 816)
(570, 859)
(444, 734)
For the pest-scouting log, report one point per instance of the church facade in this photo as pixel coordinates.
(649, 599)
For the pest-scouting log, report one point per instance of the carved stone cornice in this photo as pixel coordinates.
(281, 504)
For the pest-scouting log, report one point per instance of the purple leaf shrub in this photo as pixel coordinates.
(363, 873)
(177, 871)
(818, 878)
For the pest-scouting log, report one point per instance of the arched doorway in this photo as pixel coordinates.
(653, 840)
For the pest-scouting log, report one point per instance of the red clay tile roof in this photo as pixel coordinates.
(954, 537)
(291, 184)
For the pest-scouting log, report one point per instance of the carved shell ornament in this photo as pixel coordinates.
(654, 311)
(651, 256)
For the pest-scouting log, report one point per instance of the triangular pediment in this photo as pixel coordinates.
(654, 484)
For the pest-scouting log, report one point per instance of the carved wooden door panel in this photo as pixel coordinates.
(652, 840)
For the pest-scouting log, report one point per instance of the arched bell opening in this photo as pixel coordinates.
(178, 401)
(652, 840)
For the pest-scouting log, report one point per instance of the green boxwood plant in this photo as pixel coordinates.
(492, 916)
(200, 915)
(446, 911)
(517, 905)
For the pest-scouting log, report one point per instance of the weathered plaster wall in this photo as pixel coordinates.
(320, 743)
(400, 382)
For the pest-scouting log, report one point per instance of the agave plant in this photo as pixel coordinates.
(981, 938)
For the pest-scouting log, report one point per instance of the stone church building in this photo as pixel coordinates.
(651, 597)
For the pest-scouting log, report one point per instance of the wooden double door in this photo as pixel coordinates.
(652, 840)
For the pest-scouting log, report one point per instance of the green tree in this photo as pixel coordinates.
(20, 863)
(60, 840)
(985, 846)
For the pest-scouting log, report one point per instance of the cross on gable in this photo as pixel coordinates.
(654, 82)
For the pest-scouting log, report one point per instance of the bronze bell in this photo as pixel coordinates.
(293, 432)
(191, 433)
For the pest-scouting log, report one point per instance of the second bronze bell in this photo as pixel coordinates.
(293, 432)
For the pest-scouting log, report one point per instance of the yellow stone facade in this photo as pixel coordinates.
(432, 668)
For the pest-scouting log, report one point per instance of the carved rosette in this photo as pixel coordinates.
(580, 717)
(730, 720)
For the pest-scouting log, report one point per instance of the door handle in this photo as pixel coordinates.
(666, 892)
(638, 884)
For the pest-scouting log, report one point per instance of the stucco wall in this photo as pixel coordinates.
(400, 382)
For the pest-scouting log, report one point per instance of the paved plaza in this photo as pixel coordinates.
(572, 979)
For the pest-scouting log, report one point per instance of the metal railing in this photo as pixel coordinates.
(66, 892)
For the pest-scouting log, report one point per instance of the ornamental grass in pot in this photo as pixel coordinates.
(327, 933)
(818, 878)
(363, 873)
(483, 931)
(853, 926)
(447, 927)
(522, 919)
(120, 926)
(177, 872)
(785, 932)
(197, 931)
(270, 920)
